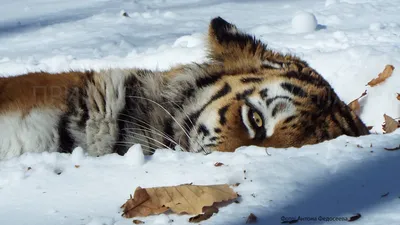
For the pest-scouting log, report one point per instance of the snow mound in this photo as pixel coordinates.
(135, 156)
(304, 22)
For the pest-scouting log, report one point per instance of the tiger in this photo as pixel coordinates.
(243, 94)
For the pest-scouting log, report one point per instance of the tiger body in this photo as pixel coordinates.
(245, 94)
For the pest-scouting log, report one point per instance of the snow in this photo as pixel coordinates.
(304, 22)
(351, 44)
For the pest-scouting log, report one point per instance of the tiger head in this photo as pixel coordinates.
(248, 94)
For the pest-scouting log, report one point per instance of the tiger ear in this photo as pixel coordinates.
(238, 51)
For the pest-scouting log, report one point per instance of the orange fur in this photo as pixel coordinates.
(40, 89)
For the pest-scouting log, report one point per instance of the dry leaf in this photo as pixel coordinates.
(393, 149)
(355, 104)
(77, 166)
(355, 217)
(398, 96)
(137, 222)
(218, 164)
(251, 219)
(208, 212)
(141, 205)
(387, 72)
(390, 124)
(185, 198)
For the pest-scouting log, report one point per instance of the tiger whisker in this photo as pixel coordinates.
(153, 139)
(163, 108)
(150, 138)
(129, 144)
(144, 128)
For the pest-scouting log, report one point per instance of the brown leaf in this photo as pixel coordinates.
(137, 222)
(393, 149)
(398, 96)
(208, 212)
(218, 164)
(186, 198)
(77, 166)
(251, 219)
(355, 104)
(390, 124)
(141, 205)
(355, 217)
(387, 72)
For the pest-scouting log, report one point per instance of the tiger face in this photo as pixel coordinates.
(264, 98)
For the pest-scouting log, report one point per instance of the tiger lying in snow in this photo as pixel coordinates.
(245, 94)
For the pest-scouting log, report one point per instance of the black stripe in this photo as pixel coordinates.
(169, 131)
(210, 145)
(84, 108)
(325, 135)
(306, 78)
(214, 138)
(275, 110)
(264, 93)
(66, 142)
(221, 93)
(129, 109)
(246, 80)
(345, 113)
(337, 123)
(209, 80)
(203, 130)
(294, 89)
(270, 100)
(244, 94)
(222, 111)
(188, 123)
(289, 119)
(191, 120)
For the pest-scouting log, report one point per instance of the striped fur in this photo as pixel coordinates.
(245, 94)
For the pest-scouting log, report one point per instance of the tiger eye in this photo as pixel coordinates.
(257, 119)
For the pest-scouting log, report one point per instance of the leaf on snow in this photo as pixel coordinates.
(355, 104)
(390, 124)
(184, 198)
(387, 72)
(141, 205)
(398, 96)
(251, 219)
(218, 164)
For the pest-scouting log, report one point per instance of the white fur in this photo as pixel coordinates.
(34, 132)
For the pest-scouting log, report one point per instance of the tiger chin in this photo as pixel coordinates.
(245, 94)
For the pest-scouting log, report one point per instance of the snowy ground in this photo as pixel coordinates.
(353, 42)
